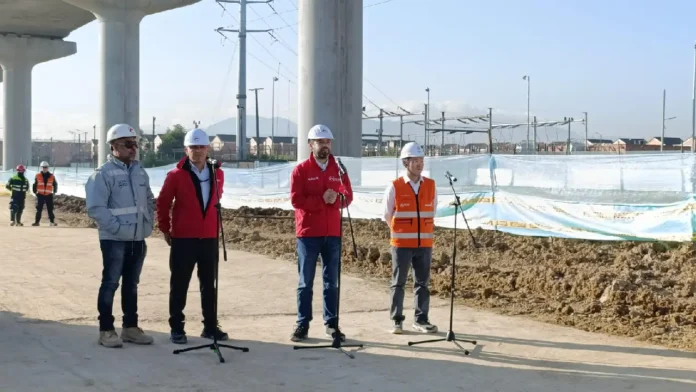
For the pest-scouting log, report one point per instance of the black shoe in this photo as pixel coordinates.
(300, 333)
(331, 332)
(35, 224)
(178, 337)
(214, 333)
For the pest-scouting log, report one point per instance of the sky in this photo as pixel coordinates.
(611, 59)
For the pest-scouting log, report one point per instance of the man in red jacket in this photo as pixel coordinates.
(315, 185)
(192, 233)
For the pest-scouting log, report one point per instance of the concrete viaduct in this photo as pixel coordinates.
(33, 31)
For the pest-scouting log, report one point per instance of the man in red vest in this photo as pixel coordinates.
(409, 203)
(191, 231)
(315, 185)
(45, 186)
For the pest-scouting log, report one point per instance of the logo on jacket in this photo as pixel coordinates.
(122, 183)
(332, 178)
(312, 178)
(404, 204)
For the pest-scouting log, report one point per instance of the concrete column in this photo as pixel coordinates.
(330, 49)
(120, 58)
(18, 56)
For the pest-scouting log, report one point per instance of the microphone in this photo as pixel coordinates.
(341, 169)
(214, 162)
(449, 176)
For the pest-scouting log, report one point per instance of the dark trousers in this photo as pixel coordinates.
(16, 208)
(308, 250)
(121, 259)
(40, 201)
(185, 254)
(403, 259)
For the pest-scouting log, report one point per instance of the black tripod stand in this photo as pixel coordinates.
(450, 334)
(337, 344)
(215, 346)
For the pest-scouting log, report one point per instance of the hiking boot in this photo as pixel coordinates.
(178, 336)
(424, 326)
(135, 335)
(397, 328)
(110, 339)
(218, 333)
(331, 332)
(300, 333)
(35, 224)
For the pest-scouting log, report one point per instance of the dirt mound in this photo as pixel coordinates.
(642, 290)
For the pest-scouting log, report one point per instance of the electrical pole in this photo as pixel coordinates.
(442, 143)
(256, 95)
(535, 136)
(529, 82)
(425, 126)
(586, 142)
(379, 132)
(490, 131)
(570, 120)
(241, 95)
(664, 101)
(275, 79)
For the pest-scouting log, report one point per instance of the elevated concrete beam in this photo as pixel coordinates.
(120, 58)
(18, 56)
(330, 51)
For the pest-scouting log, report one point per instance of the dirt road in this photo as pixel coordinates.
(50, 277)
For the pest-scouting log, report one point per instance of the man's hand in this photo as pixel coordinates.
(168, 239)
(330, 196)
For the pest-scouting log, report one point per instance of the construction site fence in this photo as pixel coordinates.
(595, 197)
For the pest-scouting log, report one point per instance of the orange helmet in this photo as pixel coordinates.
(21, 169)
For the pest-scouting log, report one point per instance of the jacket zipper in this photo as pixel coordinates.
(417, 214)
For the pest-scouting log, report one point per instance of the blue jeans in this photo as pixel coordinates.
(120, 258)
(308, 250)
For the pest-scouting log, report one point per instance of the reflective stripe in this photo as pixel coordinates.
(409, 236)
(124, 211)
(413, 214)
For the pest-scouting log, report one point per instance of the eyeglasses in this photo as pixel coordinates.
(129, 144)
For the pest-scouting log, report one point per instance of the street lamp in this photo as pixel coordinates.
(529, 82)
(275, 79)
(427, 120)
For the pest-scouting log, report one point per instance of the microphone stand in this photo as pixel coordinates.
(215, 346)
(337, 344)
(450, 334)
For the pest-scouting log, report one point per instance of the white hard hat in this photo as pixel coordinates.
(118, 131)
(319, 132)
(196, 137)
(44, 164)
(412, 150)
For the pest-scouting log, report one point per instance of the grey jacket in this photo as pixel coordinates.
(119, 198)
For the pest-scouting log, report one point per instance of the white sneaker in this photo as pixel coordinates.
(424, 327)
(397, 328)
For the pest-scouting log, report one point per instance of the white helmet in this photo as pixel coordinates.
(412, 150)
(319, 132)
(118, 131)
(196, 137)
(43, 164)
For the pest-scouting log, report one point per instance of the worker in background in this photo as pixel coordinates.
(409, 203)
(120, 200)
(45, 186)
(314, 187)
(191, 229)
(19, 185)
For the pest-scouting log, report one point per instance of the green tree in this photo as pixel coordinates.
(172, 139)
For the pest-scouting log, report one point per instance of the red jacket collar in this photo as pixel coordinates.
(331, 161)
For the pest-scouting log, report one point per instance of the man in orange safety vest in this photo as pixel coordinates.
(45, 186)
(409, 203)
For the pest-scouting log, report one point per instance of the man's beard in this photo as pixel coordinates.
(323, 153)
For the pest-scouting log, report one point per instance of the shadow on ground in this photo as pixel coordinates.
(40, 355)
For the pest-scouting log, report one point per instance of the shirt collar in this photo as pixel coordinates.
(407, 180)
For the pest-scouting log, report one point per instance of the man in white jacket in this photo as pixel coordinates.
(120, 200)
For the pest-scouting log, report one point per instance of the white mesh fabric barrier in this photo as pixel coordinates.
(604, 197)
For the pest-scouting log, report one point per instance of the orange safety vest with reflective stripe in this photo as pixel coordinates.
(42, 188)
(412, 224)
